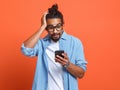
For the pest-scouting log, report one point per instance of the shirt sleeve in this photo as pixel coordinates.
(31, 52)
(80, 59)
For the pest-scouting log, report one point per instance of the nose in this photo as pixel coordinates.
(55, 30)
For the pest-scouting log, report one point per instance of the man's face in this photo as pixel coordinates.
(54, 28)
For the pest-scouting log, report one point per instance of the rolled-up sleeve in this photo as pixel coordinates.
(31, 52)
(80, 59)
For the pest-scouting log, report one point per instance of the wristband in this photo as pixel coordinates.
(66, 65)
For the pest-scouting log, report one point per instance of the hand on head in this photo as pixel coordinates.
(43, 19)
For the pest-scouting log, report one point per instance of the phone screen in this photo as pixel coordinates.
(59, 52)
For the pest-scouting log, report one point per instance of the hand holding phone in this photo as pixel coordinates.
(64, 60)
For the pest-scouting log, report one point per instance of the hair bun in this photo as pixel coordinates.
(53, 9)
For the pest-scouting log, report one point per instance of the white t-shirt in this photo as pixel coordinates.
(55, 75)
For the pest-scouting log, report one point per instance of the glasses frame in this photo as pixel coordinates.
(54, 27)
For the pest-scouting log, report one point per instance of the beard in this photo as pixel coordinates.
(55, 37)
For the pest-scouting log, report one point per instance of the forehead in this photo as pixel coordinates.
(53, 21)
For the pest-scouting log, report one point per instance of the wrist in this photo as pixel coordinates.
(43, 26)
(66, 65)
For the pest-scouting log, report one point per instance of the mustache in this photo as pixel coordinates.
(55, 34)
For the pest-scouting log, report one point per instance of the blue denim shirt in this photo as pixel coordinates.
(74, 49)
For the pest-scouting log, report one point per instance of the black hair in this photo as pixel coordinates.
(54, 13)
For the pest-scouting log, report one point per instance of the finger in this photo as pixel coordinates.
(65, 55)
(59, 57)
(46, 12)
(60, 61)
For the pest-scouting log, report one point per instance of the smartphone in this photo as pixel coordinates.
(59, 52)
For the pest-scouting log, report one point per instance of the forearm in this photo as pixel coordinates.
(31, 41)
(75, 70)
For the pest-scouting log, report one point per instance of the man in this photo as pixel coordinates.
(55, 72)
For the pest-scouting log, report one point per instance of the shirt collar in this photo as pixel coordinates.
(64, 36)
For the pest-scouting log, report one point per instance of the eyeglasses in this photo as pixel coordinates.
(51, 28)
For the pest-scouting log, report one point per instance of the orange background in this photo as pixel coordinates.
(95, 22)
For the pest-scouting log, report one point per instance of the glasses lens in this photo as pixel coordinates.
(59, 26)
(51, 27)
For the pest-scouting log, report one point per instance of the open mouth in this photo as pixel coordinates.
(56, 36)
